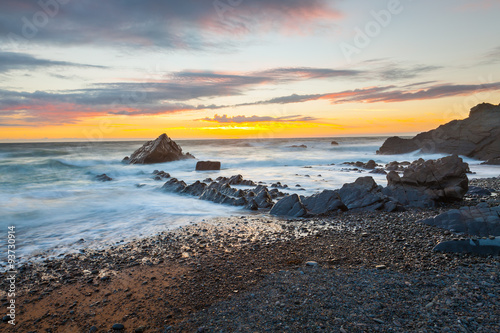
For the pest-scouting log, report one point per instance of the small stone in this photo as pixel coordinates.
(312, 263)
(381, 267)
(93, 329)
(118, 327)
(140, 329)
(5, 319)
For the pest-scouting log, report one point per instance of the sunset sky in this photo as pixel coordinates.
(116, 69)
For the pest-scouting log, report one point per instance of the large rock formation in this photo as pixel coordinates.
(477, 136)
(161, 150)
(426, 182)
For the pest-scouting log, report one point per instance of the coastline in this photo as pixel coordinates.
(250, 273)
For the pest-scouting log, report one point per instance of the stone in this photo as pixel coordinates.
(364, 194)
(475, 191)
(159, 175)
(311, 263)
(298, 146)
(174, 185)
(208, 165)
(289, 206)
(334, 143)
(93, 329)
(118, 327)
(195, 189)
(479, 220)
(161, 150)
(424, 183)
(477, 136)
(324, 202)
(103, 178)
(482, 247)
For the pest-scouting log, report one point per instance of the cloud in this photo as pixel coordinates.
(21, 61)
(187, 24)
(254, 119)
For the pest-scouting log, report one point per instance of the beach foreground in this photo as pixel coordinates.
(353, 272)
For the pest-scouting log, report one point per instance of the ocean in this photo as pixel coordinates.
(50, 194)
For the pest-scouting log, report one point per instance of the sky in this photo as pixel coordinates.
(133, 69)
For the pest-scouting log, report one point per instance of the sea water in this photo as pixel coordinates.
(49, 191)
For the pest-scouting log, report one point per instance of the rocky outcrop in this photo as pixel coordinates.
(159, 175)
(207, 165)
(324, 202)
(481, 220)
(334, 143)
(477, 136)
(221, 191)
(370, 165)
(289, 206)
(424, 183)
(483, 247)
(161, 150)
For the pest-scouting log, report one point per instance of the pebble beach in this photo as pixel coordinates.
(351, 272)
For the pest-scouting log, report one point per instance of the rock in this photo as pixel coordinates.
(311, 263)
(289, 206)
(161, 150)
(195, 189)
(370, 165)
(140, 329)
(475, 191)
(262, 197)
(334, 143)
(364, 194)
(482, 247)
(174, 185)
(379, 171)
(207, 165)
(103, 178)
(298, 146)
(477, 136)
(381, 267)
(324, 202)
(479, 220)
(5, 319)
(426, 182)
(118, 327)
(93, 329)
(159, 175)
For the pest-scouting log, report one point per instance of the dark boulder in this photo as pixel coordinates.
(478, 192)
(103, 178)
(161, 150)
(426, 182)
(477, 136)
(207, 165)
(289, 206)
(363, 194)
(159, 175)
(195, 189)
(482, 247)
(478, 220)
(324, 202)
(334, 143)
(174, 185)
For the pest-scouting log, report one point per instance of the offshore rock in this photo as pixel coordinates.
(207, 165)
(161, 150)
